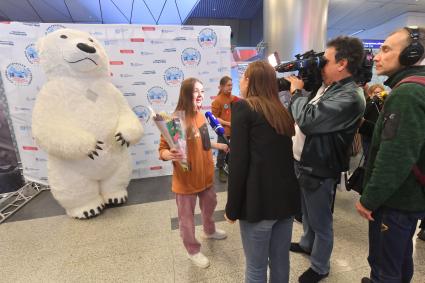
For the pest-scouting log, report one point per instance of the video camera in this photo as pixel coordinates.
(364, 73)
(309, 67)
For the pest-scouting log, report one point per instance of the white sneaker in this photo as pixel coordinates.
(217, 235)
(199, 260)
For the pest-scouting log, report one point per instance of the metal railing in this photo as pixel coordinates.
(12, 202)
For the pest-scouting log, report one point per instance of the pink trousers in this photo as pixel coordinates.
(186, 211)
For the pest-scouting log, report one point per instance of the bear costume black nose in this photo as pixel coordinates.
(86, 48)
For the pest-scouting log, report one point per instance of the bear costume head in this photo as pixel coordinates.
(68, 52)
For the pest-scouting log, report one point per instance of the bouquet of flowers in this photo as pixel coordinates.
(172, 128)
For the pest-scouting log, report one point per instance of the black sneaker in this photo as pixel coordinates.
(366, 280)
(296, 248)
(311, 276)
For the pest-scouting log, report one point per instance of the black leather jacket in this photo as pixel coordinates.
(329, 126)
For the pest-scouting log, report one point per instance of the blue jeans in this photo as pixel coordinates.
(391, 246)
(316, 205)
(266, 243)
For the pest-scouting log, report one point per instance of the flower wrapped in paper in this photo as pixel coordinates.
(172, 128)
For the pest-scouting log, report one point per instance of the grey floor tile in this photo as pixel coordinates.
(136, 243)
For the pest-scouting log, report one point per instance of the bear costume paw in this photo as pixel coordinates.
(113, 202)
(88, 211)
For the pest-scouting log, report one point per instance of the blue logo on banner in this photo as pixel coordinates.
(31, 54)
(18, 74)
(207, 38)
(191, 57)
(173, 76)
(157, 95)
(52, 28)
(142, 112)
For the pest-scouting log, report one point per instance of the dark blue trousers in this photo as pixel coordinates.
(391, 245)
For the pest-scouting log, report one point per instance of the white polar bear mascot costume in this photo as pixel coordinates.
(84, 124)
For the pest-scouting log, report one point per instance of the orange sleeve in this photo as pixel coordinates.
(216, 108)
(163, 145)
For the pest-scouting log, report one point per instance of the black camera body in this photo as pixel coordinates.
(308, 66)
(364, 73)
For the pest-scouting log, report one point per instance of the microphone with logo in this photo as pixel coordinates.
(216, 126)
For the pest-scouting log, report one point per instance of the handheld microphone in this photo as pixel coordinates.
(216, 126)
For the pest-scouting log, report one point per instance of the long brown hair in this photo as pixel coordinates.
(185, 102)
(262, 96)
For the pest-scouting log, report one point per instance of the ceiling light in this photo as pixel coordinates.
(357, 32)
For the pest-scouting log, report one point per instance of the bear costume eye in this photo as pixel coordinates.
(64, 36)
(91, 40)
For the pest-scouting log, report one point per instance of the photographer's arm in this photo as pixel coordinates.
(329, 114)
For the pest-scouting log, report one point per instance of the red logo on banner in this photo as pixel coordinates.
(156, 168)
(126, 51)
(148, 28)
(30, 148)
(116, 62)
(213, 97)
(6, 22)
(137, 39)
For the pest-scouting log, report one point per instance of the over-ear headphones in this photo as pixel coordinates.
(412, 53)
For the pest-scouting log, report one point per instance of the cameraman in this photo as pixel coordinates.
(393, 198)
(325, 126)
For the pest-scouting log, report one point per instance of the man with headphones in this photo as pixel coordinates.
(393, 198)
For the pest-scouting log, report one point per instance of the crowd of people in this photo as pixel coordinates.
(285, 161)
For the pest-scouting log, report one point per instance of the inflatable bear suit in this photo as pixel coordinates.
(84, 124)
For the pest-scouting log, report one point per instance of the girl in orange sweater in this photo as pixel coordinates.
(198, 180)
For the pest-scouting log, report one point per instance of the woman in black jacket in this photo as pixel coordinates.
(263, 190)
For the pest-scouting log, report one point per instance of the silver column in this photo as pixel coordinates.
(294, 26)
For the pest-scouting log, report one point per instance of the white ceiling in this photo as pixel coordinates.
(349, 16)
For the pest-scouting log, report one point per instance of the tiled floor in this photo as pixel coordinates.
(139, 243)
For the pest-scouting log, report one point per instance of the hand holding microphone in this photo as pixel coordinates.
(216, 126)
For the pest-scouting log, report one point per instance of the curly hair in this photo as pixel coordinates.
(349, 48)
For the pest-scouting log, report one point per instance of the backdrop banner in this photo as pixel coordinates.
(148, 64)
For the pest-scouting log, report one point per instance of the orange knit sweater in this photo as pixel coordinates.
(220, 107)
(201, 165)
